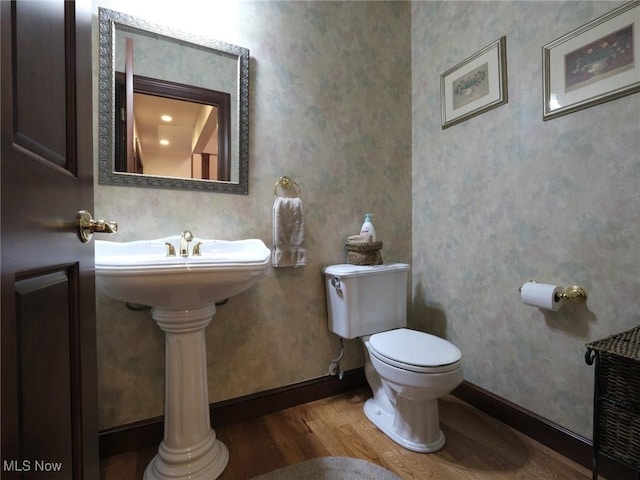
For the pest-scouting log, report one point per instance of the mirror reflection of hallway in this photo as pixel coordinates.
(178, 130)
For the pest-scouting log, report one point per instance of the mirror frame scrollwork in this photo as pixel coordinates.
(108, 20)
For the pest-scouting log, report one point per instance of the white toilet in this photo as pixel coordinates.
(407, 370)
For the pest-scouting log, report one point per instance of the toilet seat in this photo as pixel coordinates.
(415, 351)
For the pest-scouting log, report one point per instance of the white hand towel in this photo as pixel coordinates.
(288, 233)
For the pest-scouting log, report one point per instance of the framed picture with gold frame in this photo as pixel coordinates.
(475, 85)
(595, 63)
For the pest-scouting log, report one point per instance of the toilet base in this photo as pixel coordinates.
(412, 425)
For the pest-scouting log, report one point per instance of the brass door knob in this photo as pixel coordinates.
(87, 226)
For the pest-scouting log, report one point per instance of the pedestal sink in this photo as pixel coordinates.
(182, 292)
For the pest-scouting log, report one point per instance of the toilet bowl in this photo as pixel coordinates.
(407, 370)
(405, 395)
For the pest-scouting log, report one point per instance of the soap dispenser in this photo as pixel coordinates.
(368, 228)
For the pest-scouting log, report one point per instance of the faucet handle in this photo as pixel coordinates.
(171, 250)
(196, 249)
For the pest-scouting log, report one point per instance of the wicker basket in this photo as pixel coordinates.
(360, 253)
(619, 395)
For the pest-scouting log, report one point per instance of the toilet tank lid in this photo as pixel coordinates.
(350, 270)
(415, 348)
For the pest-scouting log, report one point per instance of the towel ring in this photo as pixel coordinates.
(285, 183)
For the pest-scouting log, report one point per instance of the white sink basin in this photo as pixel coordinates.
(141, 272)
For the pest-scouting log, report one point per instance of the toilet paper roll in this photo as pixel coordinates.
(541, 295)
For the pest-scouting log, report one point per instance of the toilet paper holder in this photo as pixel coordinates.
(573, 293)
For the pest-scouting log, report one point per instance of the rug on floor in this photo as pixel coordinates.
(330, 468)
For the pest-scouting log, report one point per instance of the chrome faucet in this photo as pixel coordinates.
(185, 238)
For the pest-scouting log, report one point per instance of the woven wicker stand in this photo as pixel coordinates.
(364, 253)
(616, 409)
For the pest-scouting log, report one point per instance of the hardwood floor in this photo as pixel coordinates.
(478, 447)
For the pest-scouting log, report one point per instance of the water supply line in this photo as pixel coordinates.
(334, 366)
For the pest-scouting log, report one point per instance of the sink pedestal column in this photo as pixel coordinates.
(189, 449)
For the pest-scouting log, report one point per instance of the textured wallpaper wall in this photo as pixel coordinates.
(505, 197)
(330, 106)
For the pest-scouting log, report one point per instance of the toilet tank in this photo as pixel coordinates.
(363, 300)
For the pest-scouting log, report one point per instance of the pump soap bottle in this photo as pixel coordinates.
(368, 228)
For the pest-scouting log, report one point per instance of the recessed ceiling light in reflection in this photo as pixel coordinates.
(166, 118)
(164, 142)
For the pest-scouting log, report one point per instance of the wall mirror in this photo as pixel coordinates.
(173, 108)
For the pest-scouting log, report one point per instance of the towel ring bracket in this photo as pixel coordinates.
(285, 183)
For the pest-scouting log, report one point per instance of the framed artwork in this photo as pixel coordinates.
(593, 64)
(475, 85)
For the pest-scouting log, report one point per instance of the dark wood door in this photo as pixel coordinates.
(48, 396)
